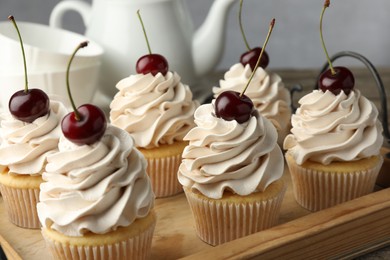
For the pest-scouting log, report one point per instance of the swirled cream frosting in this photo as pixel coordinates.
(225, 155)
(25, 146)
(328, 127)
(153, 109)
(95, 188)
(266, 90)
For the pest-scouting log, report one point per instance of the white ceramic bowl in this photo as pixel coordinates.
(47, 49)
(83, 84)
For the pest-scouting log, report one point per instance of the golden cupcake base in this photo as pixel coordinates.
(317, 186)
(132, 242)
(21, 195)
(163, 164)
(218, 221)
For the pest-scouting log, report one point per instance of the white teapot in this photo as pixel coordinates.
(115, 26)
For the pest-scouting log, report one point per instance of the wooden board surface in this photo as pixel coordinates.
(299, 233)
(174, 235)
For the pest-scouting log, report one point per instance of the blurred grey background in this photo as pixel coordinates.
(355, 25)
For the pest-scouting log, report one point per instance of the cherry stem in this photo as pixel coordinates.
(76, 112)
(143, 29)
(271, 27)
(326, 5)
(12, 19)
(241, 27)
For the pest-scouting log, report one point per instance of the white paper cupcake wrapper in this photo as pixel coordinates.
(138, 247)
(218, 222)
(21, 205)
(163, 175)
(317, 190)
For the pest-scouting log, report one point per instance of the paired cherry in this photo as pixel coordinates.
(152, 62)
(335, 79)
(252, 55)
(87, 123)
(28, 104)
(232, 105)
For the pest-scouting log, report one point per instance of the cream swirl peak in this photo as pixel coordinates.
(266, 90)
(153, 109)
(95, 188)
(330, 128)
(25, 146)
(225, 155)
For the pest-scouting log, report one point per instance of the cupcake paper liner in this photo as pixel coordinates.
(138, 247)
(21, 205)
(316, 190)
(163, 175)
(217, 222)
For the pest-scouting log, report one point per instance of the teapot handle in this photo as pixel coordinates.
(83, 8)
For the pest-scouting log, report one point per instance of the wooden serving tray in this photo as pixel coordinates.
(347, 230)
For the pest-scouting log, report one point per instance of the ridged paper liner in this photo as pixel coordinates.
(21, 205)
(138, 247)
(163, 175)
(218, 222)
(316, 190)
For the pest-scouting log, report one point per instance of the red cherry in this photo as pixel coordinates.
(28, 106)
(87, 129)
(87, 123)
(230, 105)
(250, 57)
(335, 79)
(342, 80)
(152, 63)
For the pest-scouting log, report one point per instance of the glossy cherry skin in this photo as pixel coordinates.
(152, 63)
(343, 80)
(30, 105)
(230, 106)
(89, 129)
(251, 57)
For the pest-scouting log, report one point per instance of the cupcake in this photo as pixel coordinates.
(231, 173)
(333, 152)
(157, 111)
(267, 92)
(97, 201)
(23, 157)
